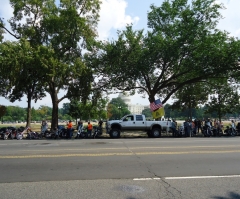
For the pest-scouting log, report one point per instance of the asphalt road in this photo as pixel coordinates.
(121, 168)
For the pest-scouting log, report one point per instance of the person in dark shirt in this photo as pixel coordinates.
(174, 128)
(100, 123)
(199, 125)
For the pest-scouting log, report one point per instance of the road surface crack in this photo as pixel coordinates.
(171, 192)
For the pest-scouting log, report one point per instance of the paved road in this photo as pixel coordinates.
(121, 168)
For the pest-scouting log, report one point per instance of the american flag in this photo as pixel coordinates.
(156, 105)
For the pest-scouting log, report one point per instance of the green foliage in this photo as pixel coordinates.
(224, 100)
(147, 112)
(182, 47)
(2, 110)
(117, 108)
(75, 109)
(65, 108)
(190, 96)
(20, 58)
(94, 109)
(57, 36)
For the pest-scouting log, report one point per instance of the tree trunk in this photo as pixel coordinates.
(151, 98)
(28, 111)
(55, 102)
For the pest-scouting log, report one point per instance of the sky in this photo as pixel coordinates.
(114, 15)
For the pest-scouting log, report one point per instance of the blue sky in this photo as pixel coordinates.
(115, 14)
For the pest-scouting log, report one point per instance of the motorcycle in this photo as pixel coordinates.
(180, 131)
(230, 131)
(32, 135)
(5, 133)
(81, 133)
(216, 132)
(97, 131)
(46, 134)
(207, 131)
(55, 134)
(62, 131)
(13, 132)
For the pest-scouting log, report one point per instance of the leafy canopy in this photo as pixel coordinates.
(182, 46)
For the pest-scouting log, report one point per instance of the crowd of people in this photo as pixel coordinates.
(70, 129)
(193, 127)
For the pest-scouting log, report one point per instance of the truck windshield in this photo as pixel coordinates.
(122, 118)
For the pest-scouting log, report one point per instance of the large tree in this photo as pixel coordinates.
(60, 32)
(189, 97)
(18, 65)
(182, 46)
(117, 108)
(225, 99)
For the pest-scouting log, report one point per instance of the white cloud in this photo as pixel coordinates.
(113, 16)
(6, 12)
(5, 9)
(231, 17)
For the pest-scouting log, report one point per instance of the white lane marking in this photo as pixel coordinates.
(142, 179)
(187, 177)
(202, 177)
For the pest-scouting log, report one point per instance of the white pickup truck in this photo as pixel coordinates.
(136, 123)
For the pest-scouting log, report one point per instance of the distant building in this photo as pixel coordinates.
(133, 108)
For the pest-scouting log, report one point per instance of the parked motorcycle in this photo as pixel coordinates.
(97, 132)
(5, 133)
(81, 133)
(62, 131)
(180, 131)
(33, 135)
(20, 132)
(230, 131)
(207, 131)
(216, 132)
(47, 134)
(12, 132)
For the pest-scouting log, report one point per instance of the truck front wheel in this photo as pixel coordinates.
(156, 132)
(115, 133)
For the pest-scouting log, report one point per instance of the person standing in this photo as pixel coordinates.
(44, 126)
(80, 125)
(233, 126)
(174, 128)
(79, 129)
(187, 127)
(100, 123)
(69, 129)
(89, 129)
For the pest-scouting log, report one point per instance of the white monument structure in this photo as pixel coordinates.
(133, 108)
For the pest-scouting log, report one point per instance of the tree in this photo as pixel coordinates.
(147, 112)
(2, 111)
(60, 33)
(190, 96)
(223, 101)
(1, 31)
(20, 58)
(96, 108)
(182, 47)
(44, 112)
(117, 108)
(75, 109)
(65, 108)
